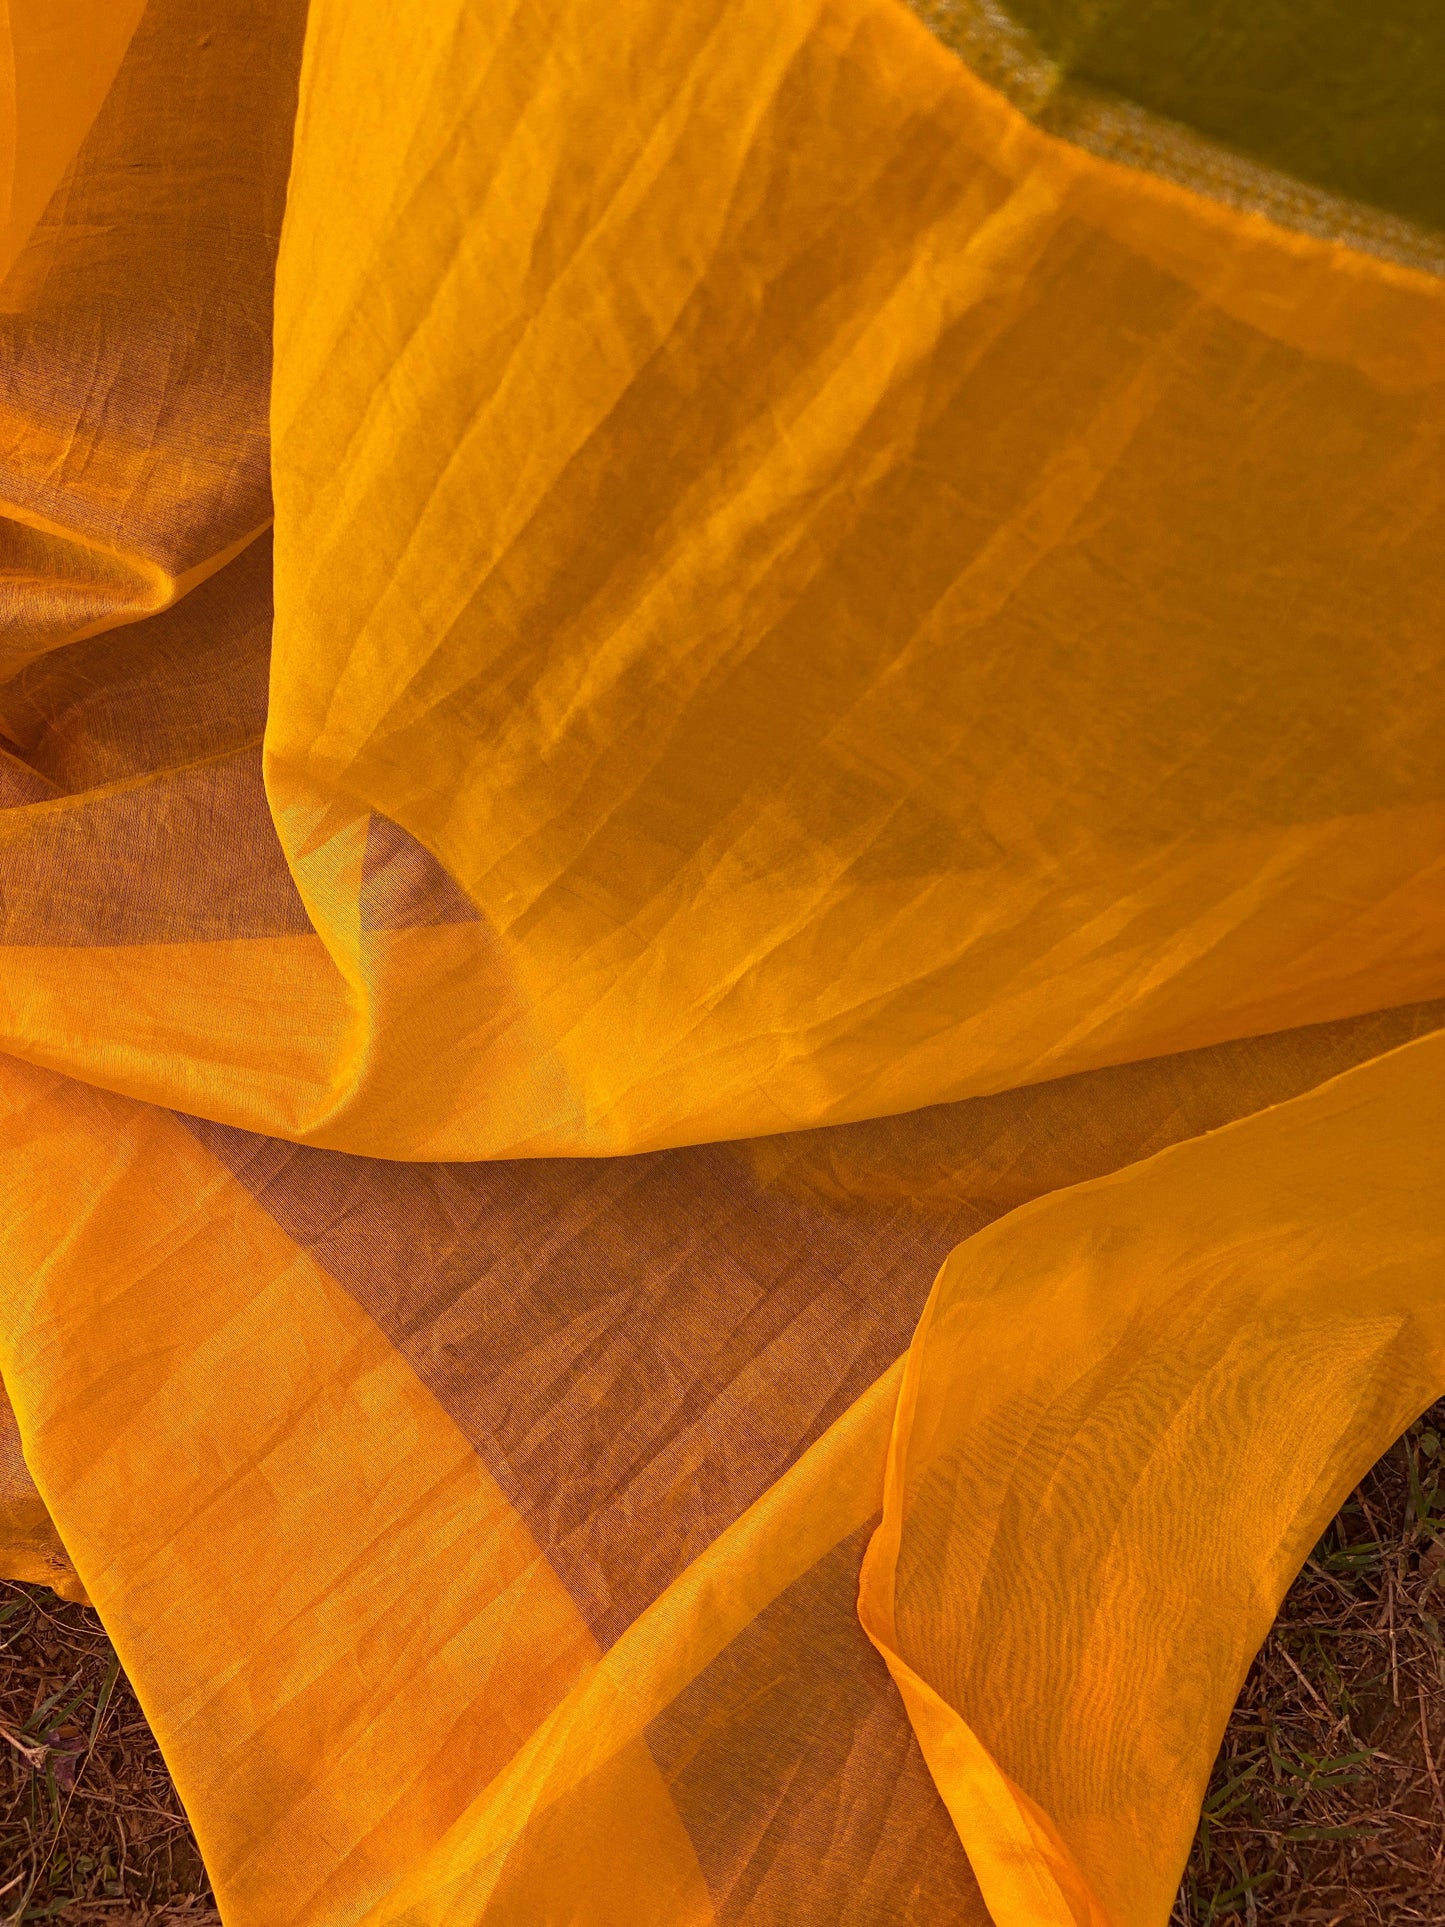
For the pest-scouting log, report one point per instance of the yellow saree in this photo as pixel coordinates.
(845, 682)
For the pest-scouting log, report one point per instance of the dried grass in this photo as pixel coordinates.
(1327, 1804)
(91, 1830)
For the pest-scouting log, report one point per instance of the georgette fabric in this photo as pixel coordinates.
(720, 889)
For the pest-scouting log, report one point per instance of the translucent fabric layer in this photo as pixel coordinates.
(842, 685)
(761, 641)
(483, 1539)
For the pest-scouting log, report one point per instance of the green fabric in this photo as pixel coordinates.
(1349, 94)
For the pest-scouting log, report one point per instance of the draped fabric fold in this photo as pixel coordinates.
(1275, 1284)
(846, 680)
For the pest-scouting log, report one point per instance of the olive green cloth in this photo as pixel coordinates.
(1346, 94)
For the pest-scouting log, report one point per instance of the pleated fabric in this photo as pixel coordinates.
(719, 1116)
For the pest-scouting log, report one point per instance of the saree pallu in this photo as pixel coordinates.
(721, 1094)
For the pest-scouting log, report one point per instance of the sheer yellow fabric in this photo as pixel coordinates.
(1128, 1408)
(573, 479)
(58, 59)
(854, 687)
(1250, 1313)
(577, 463)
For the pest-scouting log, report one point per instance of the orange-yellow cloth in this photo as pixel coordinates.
(853, 687)
(1250, 1315)
(313, 1489)
(58, 59)
(30, 1547)
(799, 600)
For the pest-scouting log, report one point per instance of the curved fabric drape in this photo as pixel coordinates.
(570, 480)
(845, 681)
